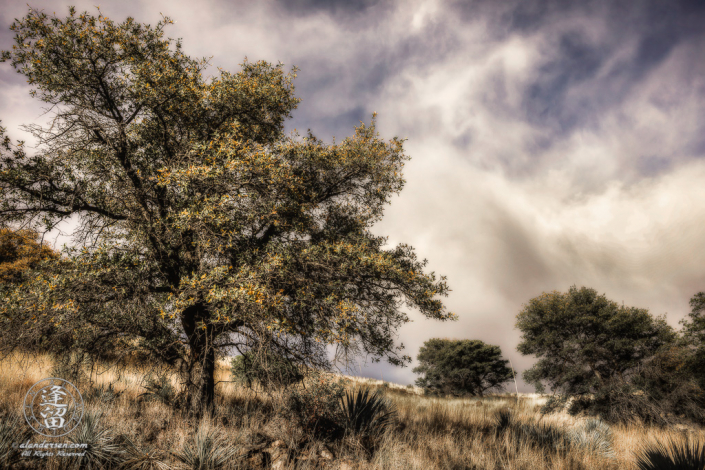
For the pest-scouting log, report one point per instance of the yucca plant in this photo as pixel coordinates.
(672, 455)
(142, 459)
(594, 436)
(13, 430)
(366, 413)
(102, 449)
(207, 450)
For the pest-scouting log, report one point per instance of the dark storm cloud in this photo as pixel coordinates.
(335, 7)
(581, 47)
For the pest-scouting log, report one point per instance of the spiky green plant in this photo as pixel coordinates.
(13, 431)
(206, 450)
(672, 455)
(366, 413)
(594, 436)
(142, 459)
(103, 450)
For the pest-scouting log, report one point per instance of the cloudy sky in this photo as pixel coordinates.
(552, 143)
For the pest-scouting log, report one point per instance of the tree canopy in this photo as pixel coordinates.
(461, 367)
(202, 226)
(20, 253)
(694, 336)
(583, 340)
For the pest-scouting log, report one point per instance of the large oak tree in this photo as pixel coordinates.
(202, 226)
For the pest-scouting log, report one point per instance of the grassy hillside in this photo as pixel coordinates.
(250, 430)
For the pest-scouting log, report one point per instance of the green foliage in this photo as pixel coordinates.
(201, 219)
(208, 449)
(365, 413)
(21, 251)
(554, 404)
(461, 367)
(693, 337)
(583, 340)
(268, 369)
(614, 361)
(315, 408)
(672, 455)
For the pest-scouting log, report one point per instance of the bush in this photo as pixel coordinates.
(159, 389)
(554, 404)
(365, 413)
(672, 455)
(315, 409)
(268, 369)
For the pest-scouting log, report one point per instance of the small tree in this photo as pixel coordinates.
(583, 340)
(204, 227)
(461, 367)
(619, 362)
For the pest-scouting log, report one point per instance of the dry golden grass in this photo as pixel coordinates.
(430, 433)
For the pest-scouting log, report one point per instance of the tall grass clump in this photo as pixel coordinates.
(103, 450)
(594, 436)
(142, 459)
(13, 430)
(672, 455)
(206, 450)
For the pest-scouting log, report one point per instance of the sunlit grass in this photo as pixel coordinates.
(428, 432)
